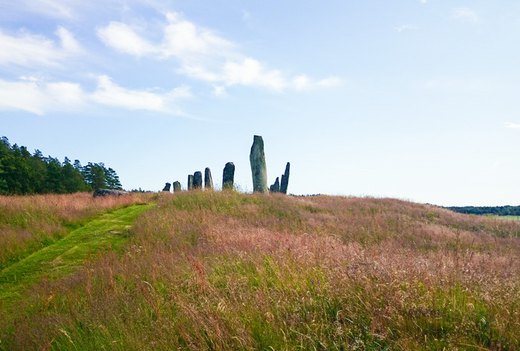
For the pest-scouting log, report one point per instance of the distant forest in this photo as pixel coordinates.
(493, 210)
(23, 173)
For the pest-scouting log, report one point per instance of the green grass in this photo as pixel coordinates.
(511, 218)
(229, 271)
(108, 231)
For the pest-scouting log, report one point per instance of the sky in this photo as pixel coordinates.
(410, 99)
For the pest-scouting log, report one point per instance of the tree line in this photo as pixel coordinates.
(488, 210)
(23, 173)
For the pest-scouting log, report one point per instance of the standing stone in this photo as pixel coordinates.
(197, 180)
(285, 179)
(228, 178)
(258, 168)
(167, 187)
(176, 187)
(190, 181)
(208, 179)
(275, 188)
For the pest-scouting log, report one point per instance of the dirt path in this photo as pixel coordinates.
(108, 231)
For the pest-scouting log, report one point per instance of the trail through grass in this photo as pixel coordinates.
(108, 231)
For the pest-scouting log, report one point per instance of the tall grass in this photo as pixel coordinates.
(221, 271)
(28, 223)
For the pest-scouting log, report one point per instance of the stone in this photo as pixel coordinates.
(258, 167)
(109, 192)
(228, 177)
(285, 179)
(176, 187)
(167, 187)
(190, 182)
(197, 180)
(208, 179)
(275, 188)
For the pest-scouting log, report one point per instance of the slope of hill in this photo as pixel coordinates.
(223, 271)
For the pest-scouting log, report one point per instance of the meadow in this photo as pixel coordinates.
(226, 271)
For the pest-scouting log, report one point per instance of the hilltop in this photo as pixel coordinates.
(222, 270)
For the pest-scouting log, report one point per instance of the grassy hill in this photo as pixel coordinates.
(220, 271)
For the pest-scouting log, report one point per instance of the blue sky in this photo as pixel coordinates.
(414, 99)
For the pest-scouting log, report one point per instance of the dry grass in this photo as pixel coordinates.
(227, 271)
(28, 223)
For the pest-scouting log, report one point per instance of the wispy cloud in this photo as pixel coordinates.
(405, 28)
(465, 14)
(456, 85)
(203, 55)
(512, 125)
(110, 94)
(31, 94)
(27, 49)
(123, 38)
(63, 9)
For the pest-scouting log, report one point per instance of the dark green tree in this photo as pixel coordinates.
(23, 173)
(112, 179)
(72, 179)
(94, 174)
(53, 179)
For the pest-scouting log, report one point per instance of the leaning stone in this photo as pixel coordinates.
(190, 181)
(208, 179)
(285, 179)
(109, 192)
(258, 167)
(275, 188)
(176, 187)
(197, 180)
(167, 187)
(228, 177)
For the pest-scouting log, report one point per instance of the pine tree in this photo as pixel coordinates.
(23, 173)
(71, 178)
(94, 174)
(112, 179)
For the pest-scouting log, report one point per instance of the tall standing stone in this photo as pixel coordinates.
(176, 187)
(258, 167)
(167, 187)
(285, 179)
(190, 181)
(197, 180)
(208, 179)
(228, 177)
(275, 188)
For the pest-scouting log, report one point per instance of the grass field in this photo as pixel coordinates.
(221, 271)
(512, 218)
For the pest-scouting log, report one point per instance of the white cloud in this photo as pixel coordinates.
(250, 72)
(31, 94)
(219, 91)
(185, 40)
(123, 38)
(512, 125)
(465, 14)
(303, 83)
(110, 94)
(69, 43)
(423, 1)
(204, 55)
(35, 97)
(26, 49)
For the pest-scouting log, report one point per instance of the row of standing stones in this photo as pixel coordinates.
(258, 170)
